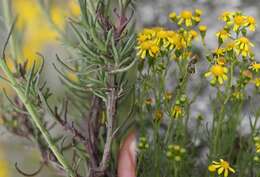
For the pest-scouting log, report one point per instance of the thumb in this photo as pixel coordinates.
(127, 157)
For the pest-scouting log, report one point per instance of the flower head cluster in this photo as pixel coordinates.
(221, 167)
(237, 21)
(186, 18)
(233, 46)
(155, 41)
(175, 152)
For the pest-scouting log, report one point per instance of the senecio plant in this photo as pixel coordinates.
(152, 82)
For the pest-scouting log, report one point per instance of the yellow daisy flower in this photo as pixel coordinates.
(251, 23)
(146, 34)
(239, 21)
(193, 34)
(186, 18)
(218, 72)
(220, 167)
(173, 16)
(223, 35)
(176, 112)
(148, 48)
(172, 40)
(203, 28)
(243, 46)
(219, 52)
(229, 46)
(158, 115)
(162, 37)
(255, 66)
(226, 16)
(256, 82)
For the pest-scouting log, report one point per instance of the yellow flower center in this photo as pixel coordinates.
(177, 109)
(147, 45)
(239, 20)
(244, 40)
(203, 28)
(155, 49)
(186, 14)
(217, 70)
(224, 164)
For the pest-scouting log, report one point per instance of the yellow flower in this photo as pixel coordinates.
(255, 66)
(239, 21)
(162, 37)
(220, 167)
(176, 112)
(148, 101)
(251, 23)
(158, 115)
(148, 34)
(198, 12)
(257, 147)
(73, 77)
(219, 52)
(58, 16)
(28, 12)
(221, 61)
(237, 95)
(186, 18)
(226, 16)
(243, 46)
(167, 96)
(172, 40)
(218, 72)
(74, 8)
(203, 28)
(173, 16)
(256, 82)
(229, 46)
(223, 35)
(193, 34)
(35, 35)
(4, 167)
(148, 48)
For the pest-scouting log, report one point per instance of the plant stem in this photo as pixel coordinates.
(8, 22)
(111, 113)
(35, 118)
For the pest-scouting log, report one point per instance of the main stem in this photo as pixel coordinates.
(35, 118)
(111, 113)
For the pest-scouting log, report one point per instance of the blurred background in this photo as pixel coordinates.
(38, 35)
